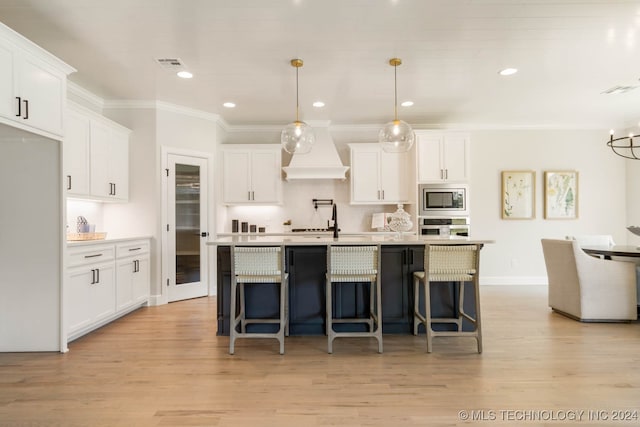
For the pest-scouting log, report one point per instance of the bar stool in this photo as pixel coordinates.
(254, 266)
(454, 263)
(353, 264)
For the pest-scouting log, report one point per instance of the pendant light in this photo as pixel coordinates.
(297, 137)
(396, 136)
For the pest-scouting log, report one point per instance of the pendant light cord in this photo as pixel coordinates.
(297, 101)
(395, 91)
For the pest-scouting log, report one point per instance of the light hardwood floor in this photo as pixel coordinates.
(164, 366)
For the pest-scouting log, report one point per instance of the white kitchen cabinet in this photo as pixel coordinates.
(77, 143)
(109, 162)
(90, 286)
(252, 174)
(105, 281)
(132, 274)
(96, 156)
(33, 86)
(378, 177)
(443, 156)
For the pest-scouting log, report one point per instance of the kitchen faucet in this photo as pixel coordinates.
(334, 218)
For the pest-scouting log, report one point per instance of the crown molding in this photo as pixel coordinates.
(82, 93)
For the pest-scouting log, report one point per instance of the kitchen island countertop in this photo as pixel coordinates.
(351, 239)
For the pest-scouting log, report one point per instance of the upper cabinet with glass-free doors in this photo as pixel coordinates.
(443, 156)
(96, 156)
(33, 86)
(252, 174)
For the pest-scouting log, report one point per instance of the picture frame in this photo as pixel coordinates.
(561, 194)
(518, 192)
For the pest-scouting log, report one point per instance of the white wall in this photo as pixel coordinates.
(516, 257)
(633, 199)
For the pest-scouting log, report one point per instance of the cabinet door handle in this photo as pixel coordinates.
(68, 182)
(253, 195)
(248, 195)
(114, 189)
(382, 194)
(378, 194)
(93, 276)
(446, 174)
(19, 106)
(411, 256)
(26, 109)
(135, 265)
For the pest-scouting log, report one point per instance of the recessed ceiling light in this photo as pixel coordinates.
(407, 103)
(229, 104)
(508, 71)
(184, 74)
(318, 104)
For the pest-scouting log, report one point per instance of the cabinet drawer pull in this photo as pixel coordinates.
(19, 106)
(134, 249)
(26, 109)
(93, 256)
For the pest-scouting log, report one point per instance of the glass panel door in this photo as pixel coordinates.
(187, 223)
(187, 215)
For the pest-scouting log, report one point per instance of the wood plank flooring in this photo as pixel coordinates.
(164, 366)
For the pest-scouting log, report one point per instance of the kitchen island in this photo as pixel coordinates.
(306, 256)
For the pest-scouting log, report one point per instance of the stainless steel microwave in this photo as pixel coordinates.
(443, 199)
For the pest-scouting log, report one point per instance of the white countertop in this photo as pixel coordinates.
(107, 241)
(296, 239)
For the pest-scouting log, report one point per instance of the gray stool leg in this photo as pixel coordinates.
(476, 287)
(329, 320)
(379, 313)
(427, 315)
(243, 326)
(460, 305)
(416, 305)
(232, 317)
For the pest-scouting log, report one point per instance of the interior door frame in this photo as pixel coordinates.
(209, 158)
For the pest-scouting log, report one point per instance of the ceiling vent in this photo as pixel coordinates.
(171, 64)
(619, 89)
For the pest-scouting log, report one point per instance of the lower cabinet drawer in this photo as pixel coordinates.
(90, 254)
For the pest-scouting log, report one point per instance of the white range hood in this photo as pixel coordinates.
(322, 162)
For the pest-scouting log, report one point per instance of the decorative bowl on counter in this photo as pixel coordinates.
(634, 229)
(76, 237)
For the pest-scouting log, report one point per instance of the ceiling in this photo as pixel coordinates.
(567, 51)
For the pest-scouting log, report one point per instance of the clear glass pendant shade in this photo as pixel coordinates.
(396, 137)
(297, 137)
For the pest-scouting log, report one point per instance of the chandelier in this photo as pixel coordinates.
(625, 146)
(396, 136)
(297, 137)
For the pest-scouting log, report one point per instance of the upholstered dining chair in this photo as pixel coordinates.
(587, 288)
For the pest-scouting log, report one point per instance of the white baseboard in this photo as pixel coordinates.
(156, 300)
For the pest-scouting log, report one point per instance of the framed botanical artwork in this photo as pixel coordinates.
(518, 194)
(561, 194)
